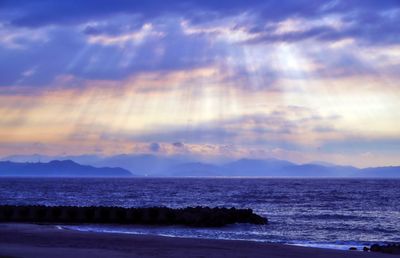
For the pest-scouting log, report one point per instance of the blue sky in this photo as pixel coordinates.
(297, 80)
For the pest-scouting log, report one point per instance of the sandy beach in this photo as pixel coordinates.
(28, 240)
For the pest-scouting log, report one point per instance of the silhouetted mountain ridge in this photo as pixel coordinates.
(152, 165)
(57, 168)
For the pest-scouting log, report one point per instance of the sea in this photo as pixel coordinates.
(326, 213)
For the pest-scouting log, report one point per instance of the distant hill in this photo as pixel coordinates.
(256, 167)
(263, 168)
(388, 172)
(145, 164)
(194, 169)
(152, 165)
(56, 168)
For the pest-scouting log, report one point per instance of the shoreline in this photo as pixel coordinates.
(92, 228)
(32, 240)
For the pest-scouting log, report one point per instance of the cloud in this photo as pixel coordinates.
(93, 40)
(260, 74)
(369, 28)
(154, 147)
(291, 128)
(102, 56)
(359, 144)
(366, 19)
(178, 144)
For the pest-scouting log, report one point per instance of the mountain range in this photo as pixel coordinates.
(160, 166)
(56, 168)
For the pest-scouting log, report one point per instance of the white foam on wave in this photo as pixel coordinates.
(180, 232)
(336, 246)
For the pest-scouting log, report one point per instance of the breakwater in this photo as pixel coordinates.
(190, 216)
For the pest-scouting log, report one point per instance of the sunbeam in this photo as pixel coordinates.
(275, 122)
(291, 87)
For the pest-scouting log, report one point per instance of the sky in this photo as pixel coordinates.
(297, 80)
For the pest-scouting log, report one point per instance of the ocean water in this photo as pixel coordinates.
(330, 213)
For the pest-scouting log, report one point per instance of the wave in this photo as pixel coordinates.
(182, 232)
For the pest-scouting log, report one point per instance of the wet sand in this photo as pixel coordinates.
(29, 240)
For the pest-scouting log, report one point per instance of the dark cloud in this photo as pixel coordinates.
(371, 20)
(154, 147)
(317, 32)
(178, 144)
(65, 50)
(46, 12)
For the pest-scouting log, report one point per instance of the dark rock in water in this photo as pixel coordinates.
(353, 248)
(388, 249)
(365, 249)
(375, 248)
(190, 216)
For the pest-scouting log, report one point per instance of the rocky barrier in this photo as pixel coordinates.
(388, 249)
(190, 216)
